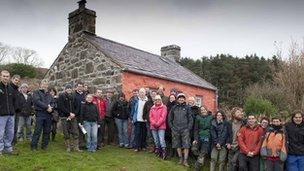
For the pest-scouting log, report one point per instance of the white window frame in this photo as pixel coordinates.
(199, 101)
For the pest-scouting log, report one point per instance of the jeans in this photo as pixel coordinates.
(25, 122)
(7, 124)
(159, 138)
(122, 127)
(91, 128)
(295, 162)
(43, 125)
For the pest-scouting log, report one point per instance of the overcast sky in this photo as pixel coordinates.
(200, 27)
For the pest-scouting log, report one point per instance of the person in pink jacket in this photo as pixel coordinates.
(157, 116)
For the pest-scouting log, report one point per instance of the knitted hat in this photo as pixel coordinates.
(68, 86)
(181, 95)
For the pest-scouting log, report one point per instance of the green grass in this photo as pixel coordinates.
(108, 158)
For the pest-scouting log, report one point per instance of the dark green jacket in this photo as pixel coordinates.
(202, 127)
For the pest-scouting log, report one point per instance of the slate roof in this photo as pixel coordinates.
(142, 62)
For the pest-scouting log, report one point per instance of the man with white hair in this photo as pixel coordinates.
(195, 110)
(25, 115)
(139, 119)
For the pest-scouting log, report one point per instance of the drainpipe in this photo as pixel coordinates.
(216, 100)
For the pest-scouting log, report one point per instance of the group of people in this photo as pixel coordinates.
(148, 119)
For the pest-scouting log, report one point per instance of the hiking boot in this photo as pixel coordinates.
(34, 149)
(164, 154)
(180, 161)
(186, 163)
(16, 153)
(156, 151)
(76, 146)
(128, 147)
(160, 152)
(67, 145)
(44, 148)
(197, 166)
(78, 150)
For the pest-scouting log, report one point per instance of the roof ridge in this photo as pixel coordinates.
(116, 56)
(122, 44)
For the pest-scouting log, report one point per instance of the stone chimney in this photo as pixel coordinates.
(171, 52)
(82, 19)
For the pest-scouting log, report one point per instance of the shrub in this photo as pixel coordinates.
(25, 71)
(259, 106)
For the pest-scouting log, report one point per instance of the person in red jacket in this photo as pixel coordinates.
(157, 117)
(101, 106)
(250, 139)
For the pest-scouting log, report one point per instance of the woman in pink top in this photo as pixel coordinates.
(157, 116)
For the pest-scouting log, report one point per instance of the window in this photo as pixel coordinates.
(198, 101)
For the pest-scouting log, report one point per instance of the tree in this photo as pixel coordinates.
(291, 77)
(26, 56)
(231, 75)
(4, 52)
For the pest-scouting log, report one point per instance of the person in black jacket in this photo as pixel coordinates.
(44, 106)
(110, 134)
(89, 117)
(15, 82)
(7, 112)
(66, 110)
(168, 134)
(149, 139)
(25, 114)
(79, 99)
(55, 115)
(295, 139)
(195, 110)
(220, 139)
(181, 122)
(121, 114)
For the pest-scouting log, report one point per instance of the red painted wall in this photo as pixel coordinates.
(132, 81)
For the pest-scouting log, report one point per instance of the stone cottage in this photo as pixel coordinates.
(105, 64)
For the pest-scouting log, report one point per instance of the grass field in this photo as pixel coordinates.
(108, 158)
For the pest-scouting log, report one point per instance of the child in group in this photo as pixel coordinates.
(90, 117)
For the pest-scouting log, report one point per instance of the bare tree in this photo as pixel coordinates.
(291, 77)
(286, 91)
(4, 52)
(26, 56)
